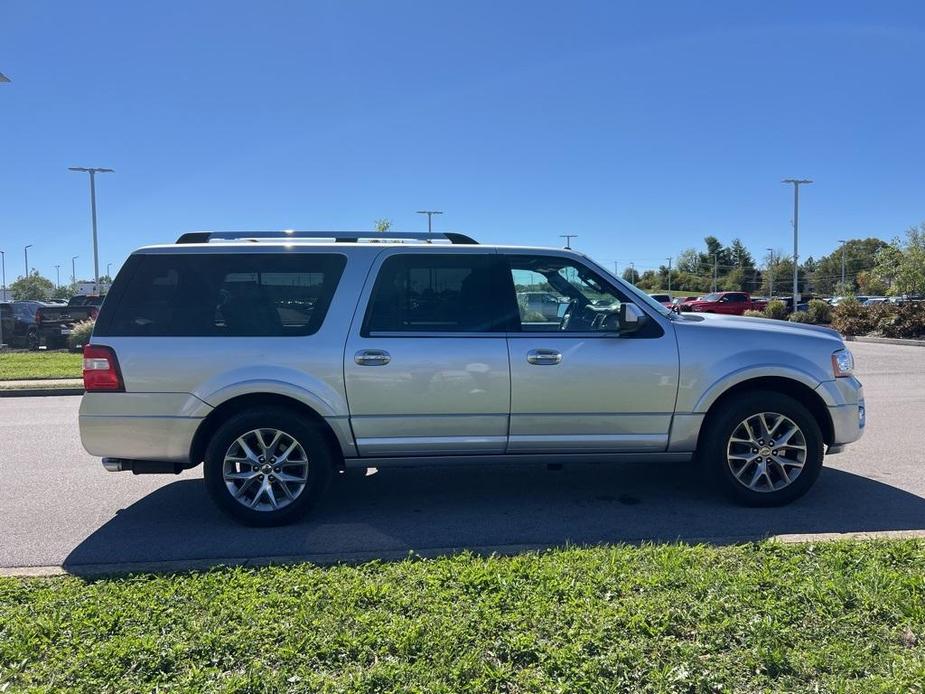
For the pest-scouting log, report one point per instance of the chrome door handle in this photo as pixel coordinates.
(544, 356)
(372, 357)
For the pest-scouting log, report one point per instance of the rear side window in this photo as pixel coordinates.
(226, 294)
(431, 292)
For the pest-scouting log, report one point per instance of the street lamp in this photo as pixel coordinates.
(108, 265)
(568, 239)
(26, 253)
(770, 273)
(796, 182)
(429, 213)
(96, 255)
(842, 242)
(73, 270)
(57, 276)
(669, 278)
(3, 297)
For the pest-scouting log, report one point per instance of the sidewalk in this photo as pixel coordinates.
(47, 386)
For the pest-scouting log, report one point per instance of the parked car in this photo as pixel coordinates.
(874, 300)
(861, 298)
(86, 300)
(56, 321)
(664, 299)
(18, 323)
(275, 363)
(545, 304)
(730, 303)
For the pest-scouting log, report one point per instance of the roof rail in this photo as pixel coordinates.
(337, 236)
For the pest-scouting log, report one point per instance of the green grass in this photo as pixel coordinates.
(36, 365)
(826, 617)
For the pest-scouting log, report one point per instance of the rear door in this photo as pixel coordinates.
(426, 362)
(576, 384)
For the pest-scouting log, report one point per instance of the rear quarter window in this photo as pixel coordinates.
(221, 295)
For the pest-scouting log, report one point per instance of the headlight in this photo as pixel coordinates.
(842, 363)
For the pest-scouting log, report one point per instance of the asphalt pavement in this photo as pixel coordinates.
(59, 508)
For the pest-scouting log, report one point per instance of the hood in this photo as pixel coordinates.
(768, 325)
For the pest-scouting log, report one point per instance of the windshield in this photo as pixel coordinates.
(635, 292)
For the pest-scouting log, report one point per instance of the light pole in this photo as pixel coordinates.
(771, 273)
(73, 270)
(714, 273)
(429, 213)
(96, 255)
(842, 242)
(669, 276)
(568, 239)
(3, 266)
(633, 273)
(26, 253)
(57, 276)
(108, 265)
(797, 182)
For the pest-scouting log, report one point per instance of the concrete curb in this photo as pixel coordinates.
(886, 341)
(38, 392)
(329, 559)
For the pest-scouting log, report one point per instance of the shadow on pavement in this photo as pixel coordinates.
(507, 509)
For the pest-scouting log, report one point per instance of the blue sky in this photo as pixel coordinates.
(640, 126)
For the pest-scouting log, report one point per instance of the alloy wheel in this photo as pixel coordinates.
(265, 469)
(766, 452)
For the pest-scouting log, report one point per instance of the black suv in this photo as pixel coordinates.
(19, 326)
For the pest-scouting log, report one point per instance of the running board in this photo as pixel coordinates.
(506, 459)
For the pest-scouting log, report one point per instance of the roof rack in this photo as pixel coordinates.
(337, 236)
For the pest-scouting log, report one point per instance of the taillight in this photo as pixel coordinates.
(38, 316)
(101, 370)
(94, 312)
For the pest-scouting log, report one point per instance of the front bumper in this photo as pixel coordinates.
(845, 400)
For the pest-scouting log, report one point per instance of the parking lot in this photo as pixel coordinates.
(59, 508)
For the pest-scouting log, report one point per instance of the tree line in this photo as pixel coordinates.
(871, 266)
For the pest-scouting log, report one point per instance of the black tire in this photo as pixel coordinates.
(32, 340)
(723, 423)
(318, 452)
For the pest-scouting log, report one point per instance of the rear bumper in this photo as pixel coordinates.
(140, 426)
(139, 438)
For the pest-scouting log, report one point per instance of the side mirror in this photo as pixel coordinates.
(631, 318)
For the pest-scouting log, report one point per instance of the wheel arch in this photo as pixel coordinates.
(251, 401)
(779, 384)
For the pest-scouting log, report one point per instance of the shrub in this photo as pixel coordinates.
(776, 309)
(754, 314)
(820, 311)
(800, 317)
(80, 334)
(905, 320)
(850, 318)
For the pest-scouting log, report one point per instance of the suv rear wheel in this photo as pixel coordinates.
(764, 448)
(267, 468)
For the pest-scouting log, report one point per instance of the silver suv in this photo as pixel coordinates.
(277, 359)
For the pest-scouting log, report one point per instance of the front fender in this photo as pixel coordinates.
(762, 370)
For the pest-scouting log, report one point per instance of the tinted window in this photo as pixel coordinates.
(418, 292)
(228, 294)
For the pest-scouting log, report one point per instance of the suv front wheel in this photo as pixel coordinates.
(764, 448)
(267, 468)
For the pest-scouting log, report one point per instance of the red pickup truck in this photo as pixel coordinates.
(732, 303)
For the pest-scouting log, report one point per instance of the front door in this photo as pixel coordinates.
(426, 363)
(576, 384)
